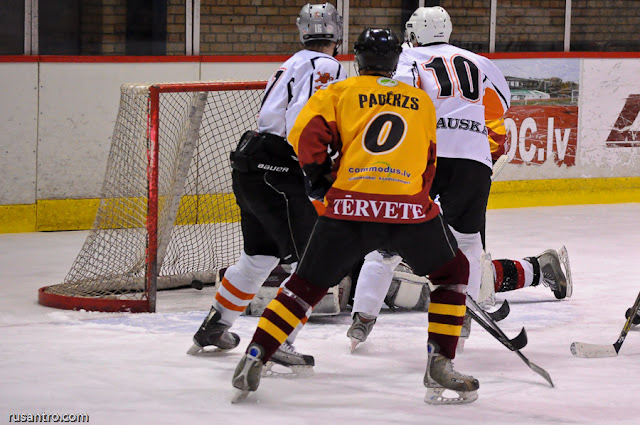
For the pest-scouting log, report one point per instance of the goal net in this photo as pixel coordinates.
(167, 214)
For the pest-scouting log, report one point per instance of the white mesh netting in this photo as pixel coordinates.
(198, 220)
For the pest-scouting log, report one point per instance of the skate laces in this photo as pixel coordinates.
(290, 349)
(458, 374)
(448, 368)
(549, 272)
(361, 326)
(549, 281)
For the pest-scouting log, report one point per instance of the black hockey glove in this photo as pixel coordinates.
(318, 179)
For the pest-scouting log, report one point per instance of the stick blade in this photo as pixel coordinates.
(593, 351)
(498, 166)
(540, 371)
(520, 341)
(500, 313)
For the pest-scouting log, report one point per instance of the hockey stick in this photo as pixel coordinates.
(513, 344)
(500, 313)
(497, 333)
(636, 319)
(585, 350)
(498, 166)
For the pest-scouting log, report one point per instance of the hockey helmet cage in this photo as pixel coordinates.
(319, 22)
(377, 49)
(429, 25)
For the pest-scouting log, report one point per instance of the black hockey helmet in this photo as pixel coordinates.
(377, 49)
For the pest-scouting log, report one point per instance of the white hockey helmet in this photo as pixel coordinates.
(319, 22)
(429, 25)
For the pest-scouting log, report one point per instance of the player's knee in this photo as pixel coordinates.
(303, 291)
(383, 260)
(469, 243)
(374, 269)
(253, 268)
(454, 272)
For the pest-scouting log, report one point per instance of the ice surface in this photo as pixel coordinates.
(132, 368)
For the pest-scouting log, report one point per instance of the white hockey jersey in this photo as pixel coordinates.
(468, 91)
(292, 85)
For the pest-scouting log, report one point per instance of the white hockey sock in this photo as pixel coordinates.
(373, 283)
(471, 246)
(240, 284)
(527, 268)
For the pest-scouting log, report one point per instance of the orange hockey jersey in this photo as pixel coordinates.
(384, 133)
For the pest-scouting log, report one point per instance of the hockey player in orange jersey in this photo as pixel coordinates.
(377, 197)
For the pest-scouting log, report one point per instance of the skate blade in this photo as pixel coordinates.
(282, 371)
(354, 344)
(564, 259)
(239, 395)
(436, 396)
(196, 350)
(460, 346)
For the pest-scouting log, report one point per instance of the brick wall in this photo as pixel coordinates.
(374, 13)
(91, 27)
(470, 19)
(114, 23)
(176, 27)
(103, 26)
(232, 27)
(530, 26)
(267, 27)
(242, 27)
(608, 26)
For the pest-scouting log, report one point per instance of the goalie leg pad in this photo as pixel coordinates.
(487, 294)
(409, 295)
(331, 304)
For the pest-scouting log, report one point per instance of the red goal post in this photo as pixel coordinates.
(167, 215)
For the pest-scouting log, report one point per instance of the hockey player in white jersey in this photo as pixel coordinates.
(277, 216)
(471, 97)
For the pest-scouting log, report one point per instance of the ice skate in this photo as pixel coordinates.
(360, 328)
(293, 363)
(213, 336)
(440, 376)
(551, 272)
(246, 377)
